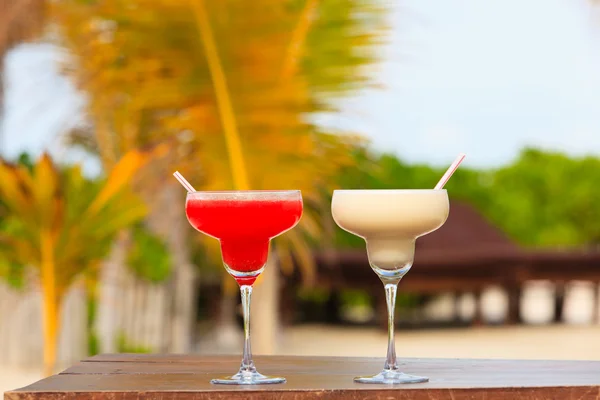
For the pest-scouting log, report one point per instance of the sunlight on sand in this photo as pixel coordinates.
(520, 342)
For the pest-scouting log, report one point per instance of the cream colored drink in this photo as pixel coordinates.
(390, 221)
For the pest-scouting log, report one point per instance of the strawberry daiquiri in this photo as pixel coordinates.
(244, 222)
(245, 227)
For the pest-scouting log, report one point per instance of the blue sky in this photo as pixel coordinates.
(487, 78)
(481, 77)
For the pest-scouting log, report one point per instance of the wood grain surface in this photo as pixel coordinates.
(135, 376)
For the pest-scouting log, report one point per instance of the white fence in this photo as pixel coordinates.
(21, 333)
(138, 312)
(132, 315)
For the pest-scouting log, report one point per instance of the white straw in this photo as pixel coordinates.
(450, 171)
(184, 182)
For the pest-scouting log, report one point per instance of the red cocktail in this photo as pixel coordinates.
(244, 222)
(244, 226)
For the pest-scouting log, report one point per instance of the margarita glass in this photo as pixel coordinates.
(244, 222)
(390, 221)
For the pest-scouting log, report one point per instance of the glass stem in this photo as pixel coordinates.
(247, 363)
(390, 298)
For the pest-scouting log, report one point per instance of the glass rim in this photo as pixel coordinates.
(228, 192)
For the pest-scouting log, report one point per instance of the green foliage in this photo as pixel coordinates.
(548, 199)
(92, 311)
(405, 301)
(355, 297)
(25, 160)
(12, 273)
(10, 270)
(93, 343)
(124, 346)
(313, 294)
(148, 257)
(343, 39)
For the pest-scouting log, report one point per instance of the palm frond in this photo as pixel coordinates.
(194, 72)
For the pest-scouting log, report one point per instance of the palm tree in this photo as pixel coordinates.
(229, 86)
(50, 217)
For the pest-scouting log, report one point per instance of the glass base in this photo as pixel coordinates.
(389, 376)
(248, 378)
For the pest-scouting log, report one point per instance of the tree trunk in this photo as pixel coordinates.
(265, 305)
(51, 307)
(51, 302)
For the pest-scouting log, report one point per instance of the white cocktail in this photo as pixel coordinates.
(390, 221)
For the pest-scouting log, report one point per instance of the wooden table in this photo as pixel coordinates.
(128, 376)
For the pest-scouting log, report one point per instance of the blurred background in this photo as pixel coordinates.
(101, 101)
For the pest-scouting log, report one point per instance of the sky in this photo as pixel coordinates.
(482, 77)
(485, 78)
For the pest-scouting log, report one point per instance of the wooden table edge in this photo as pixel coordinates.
(400, 393)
